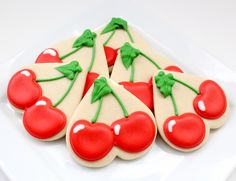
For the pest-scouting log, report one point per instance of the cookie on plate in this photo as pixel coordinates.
(47, 93)
(186, 108)
(109, 122)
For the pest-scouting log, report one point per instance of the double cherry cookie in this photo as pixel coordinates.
(43, 92)
(106, 124)
(68, 91)
(193, 106)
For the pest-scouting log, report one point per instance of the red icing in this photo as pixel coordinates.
(213, 99)
(91, 76)
(89, 141)
(111, 55)
(43, 121)
(185, 131)
(50, 55)
(142, 90)
(136, 132)
(173, 69)
(23, 91)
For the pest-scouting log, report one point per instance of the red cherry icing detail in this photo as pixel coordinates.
(185, 131)
(135, 133)
(50, 55)
(211, 102)
(91, 76)
(23, 91)
(89, 141)
(111, 55)
(173, 69)
(42, 120)
(142, 90)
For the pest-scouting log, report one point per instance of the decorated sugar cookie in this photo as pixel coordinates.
(48, 93)
(186, 108)
(84, 48)
(109, 122)
(134, 68)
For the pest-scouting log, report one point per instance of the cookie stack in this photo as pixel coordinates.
(109, 92)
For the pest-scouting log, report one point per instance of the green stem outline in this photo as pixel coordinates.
(126, 114)
(95, 117)
(67, 91)
(187, 85)
(70, 53)
(112, 34)
(174, 104)
(150, 60)
(108, 39)
(50, 79)
(130, 36)
(131, 79)
(93, 57)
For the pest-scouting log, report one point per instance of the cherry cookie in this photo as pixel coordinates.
(85, 49)
(106, 124)
(47, 93)
(186, 108)
(135, 67)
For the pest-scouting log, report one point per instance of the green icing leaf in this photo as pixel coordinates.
(115, 23)
(86, 39)
(165, 82)
(101, 88)
(70, 69)
(128, 54)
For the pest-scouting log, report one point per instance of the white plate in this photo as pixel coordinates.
(23, 158)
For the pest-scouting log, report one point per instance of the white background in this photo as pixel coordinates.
(209, 23)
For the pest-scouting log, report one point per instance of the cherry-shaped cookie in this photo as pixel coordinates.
(106, 125)
(61, 86)
(179, 124)
(23, 90)
(141, 67)
(85, 49)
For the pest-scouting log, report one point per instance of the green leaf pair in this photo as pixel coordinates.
(115, 23)
(70, 70)
(101, 88)
(165, 82)
(86, 39)
(128, 54)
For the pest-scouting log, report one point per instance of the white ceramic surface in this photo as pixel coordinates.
(23, 158)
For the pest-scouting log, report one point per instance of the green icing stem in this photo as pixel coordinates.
(150, 60)
(93, 57)
(130, 37)
(121, 104)
(111, 35)
(51, 79)
(174, 104)
(67, 91)
(132, 73)
(95, 117)
(187, 85)
(70, 53)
